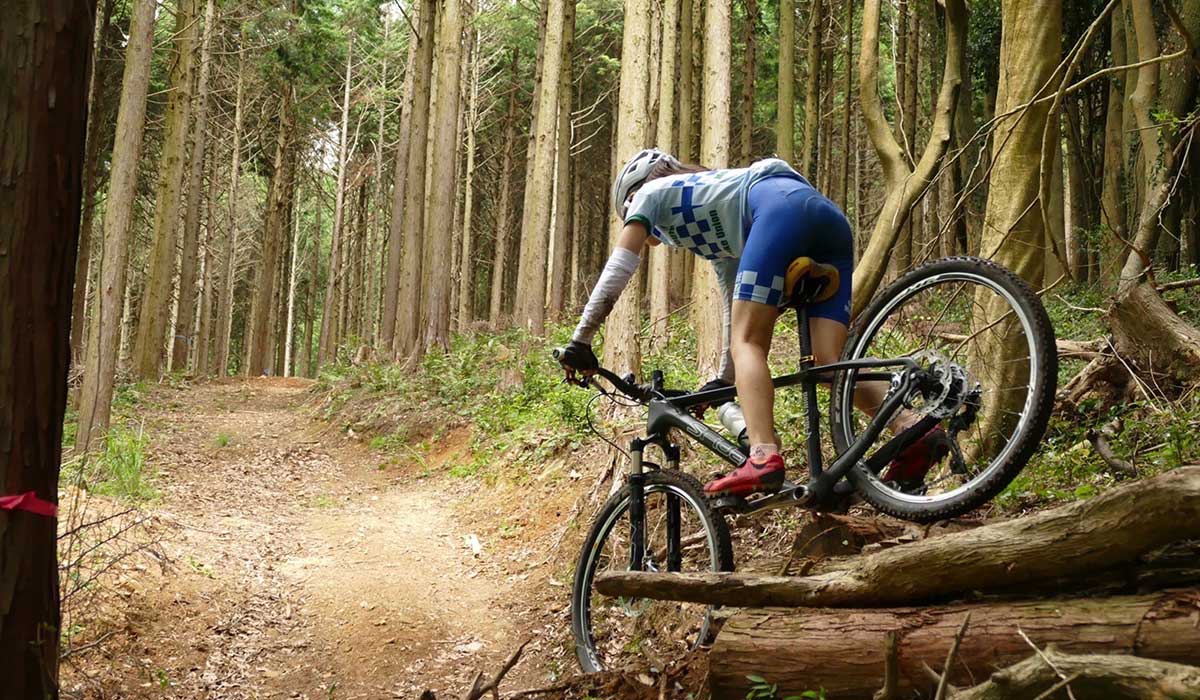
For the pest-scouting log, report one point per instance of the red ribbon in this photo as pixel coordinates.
(29, 502)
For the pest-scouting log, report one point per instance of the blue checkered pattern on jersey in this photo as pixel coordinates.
(746, 287)
(691, 234)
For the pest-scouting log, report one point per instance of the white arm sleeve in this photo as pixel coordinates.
(613, 280)
(726, 269)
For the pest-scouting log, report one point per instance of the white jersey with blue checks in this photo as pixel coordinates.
(703, 212)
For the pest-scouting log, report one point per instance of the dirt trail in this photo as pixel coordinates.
(301, 569)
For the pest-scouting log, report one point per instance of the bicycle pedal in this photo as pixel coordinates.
(729, 503)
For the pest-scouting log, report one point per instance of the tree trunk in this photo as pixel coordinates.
(504, 208)
(395, 239)
(409, 299)
(561, 243)
(310, 299)
(1153, 337)
(183, 341)
(621, 349)
(150, 344)
(843, 651)
(438, 253)
(291, 287)
(535, 217)
(258, 331)
(104, 333)
(97, 118)
(466, 267)
(208, 279)
(1102, 676)
(662, 258)
(226, 281)
(746, 135)
(686, 78)
(1112, 200)
(847, 107)
(331, 314)
(902, 184)
(45, 48)
(1076, 539)
(811, 106)
(785, 127)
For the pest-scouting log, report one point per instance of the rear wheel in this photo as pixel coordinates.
(983, 331)
(682, 534)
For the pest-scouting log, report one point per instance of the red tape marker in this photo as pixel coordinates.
(29, 502)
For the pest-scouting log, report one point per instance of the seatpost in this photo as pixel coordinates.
(810, 393)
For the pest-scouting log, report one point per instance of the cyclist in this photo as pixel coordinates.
(751, 223)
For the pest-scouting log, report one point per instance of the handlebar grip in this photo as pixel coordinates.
(557, 353)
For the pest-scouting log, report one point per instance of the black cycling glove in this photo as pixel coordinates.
(578, 356)
(718, 383)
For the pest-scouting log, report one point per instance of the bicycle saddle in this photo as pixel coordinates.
(809, 282)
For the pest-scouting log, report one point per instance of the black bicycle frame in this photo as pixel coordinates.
(666, 413)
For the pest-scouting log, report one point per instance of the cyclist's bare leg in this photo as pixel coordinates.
(828, 338)
(751, 328)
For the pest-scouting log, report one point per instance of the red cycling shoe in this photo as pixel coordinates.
(751, 477)
(915, 461)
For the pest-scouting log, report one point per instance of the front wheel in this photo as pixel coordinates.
(682, 533)
(983, 332)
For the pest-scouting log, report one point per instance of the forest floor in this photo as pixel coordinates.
(297, 565)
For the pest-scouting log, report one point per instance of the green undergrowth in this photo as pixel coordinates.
(118, 469)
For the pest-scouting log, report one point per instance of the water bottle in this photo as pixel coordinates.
(735, 423)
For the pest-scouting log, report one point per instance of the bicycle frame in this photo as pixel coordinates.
(667, 413)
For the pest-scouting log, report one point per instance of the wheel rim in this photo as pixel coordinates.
(642, 613)
(868, 344)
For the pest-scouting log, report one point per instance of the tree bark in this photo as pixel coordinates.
(686, 79)
(561, 226)
(843, 177)
(785, 126)
(621, 348)
(104, 334)
(504, 207)
(226, 280)
(812, 95)
(258, 330)
(662, 257)
(746, 134)
(208, 281)
(409, 299)
(1112, 200)
(332, 307)
(535, 218)
(184, 340)
(1100, 676)
(98, 110)
(438, 272)
(1149, 334)
(45, 50)
(466, 267)
(1075, 539)
(902, 184)
(842, 650)
(395, 239)
(149, 346)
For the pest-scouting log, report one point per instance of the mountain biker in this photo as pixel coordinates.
(751, 223)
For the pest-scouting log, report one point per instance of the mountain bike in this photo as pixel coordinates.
(961, 342)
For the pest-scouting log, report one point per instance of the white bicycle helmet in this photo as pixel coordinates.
(634, 174)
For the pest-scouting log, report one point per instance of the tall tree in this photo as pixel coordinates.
(535, 217)
(903, 184)
(184, 339)
(812, 107)
(714, 153)
(621, 349)
(661, 258)
(91, 180)
(259, 347)
(504, 206)
(155, 308)
(395, 239)
(332, 314)
(439, 252)
(785, 125)
(104, 334)
(561, 222)
(408, 302)
(466, 263)
(686, 114)
(749, 69)
(843, 171)
(45, 60)
(226, 281)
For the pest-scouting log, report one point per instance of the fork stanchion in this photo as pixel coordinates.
(812, 417)
(637, 506)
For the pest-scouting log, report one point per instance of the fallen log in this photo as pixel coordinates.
(1090, 677)
(1080, 538)
(842, 650)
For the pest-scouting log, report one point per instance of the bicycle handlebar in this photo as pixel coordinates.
(628, 386)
